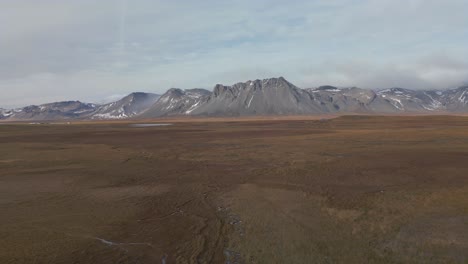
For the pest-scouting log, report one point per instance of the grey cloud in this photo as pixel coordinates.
(428, 72)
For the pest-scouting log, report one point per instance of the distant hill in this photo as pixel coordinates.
(52, 111)
(129, 106)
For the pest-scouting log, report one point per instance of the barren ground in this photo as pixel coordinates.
(355, 189)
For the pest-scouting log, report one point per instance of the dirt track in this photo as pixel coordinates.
(356, 189)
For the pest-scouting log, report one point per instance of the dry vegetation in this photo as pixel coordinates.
(355, 189)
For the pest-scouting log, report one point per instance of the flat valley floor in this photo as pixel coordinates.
(354, 189)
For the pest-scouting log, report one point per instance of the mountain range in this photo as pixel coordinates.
(127, 107)
(274, 96)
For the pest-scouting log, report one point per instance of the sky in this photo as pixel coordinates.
(96, 51)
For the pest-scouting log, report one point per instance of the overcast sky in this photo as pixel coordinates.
(91, 50)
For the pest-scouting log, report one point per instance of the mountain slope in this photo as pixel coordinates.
(351, 100)
(397, 100)
(129, 106)
(456, 100)
(177, 102)
(5, 113)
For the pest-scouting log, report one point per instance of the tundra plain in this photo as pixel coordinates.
(352, 189)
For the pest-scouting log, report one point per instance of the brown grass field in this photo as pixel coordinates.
(354, 189)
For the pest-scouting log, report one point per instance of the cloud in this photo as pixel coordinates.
(435, 71)
(88, 50)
